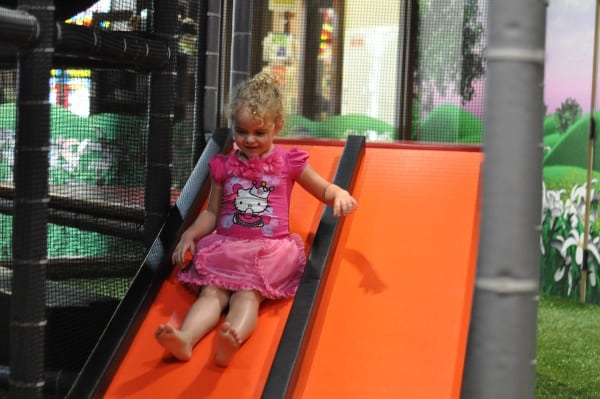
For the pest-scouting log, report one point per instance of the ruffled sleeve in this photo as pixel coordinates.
(297, 160)
(217, 168)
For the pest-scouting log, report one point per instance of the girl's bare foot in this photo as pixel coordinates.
(174, 341)
(229, 343)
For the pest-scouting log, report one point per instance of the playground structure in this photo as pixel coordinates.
(371, 326)
(365, 300)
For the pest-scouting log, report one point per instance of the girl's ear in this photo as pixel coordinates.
(279, 125)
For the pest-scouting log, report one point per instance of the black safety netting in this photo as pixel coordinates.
(391, 71)
(89, 230)
(131, 91)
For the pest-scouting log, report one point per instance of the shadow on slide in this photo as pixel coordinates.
(127, 362)
(393, 317)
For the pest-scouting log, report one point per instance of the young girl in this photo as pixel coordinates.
(252, 256)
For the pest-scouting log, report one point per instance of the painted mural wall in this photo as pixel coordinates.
(568, 100)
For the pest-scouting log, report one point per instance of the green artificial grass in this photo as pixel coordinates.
(568, 349)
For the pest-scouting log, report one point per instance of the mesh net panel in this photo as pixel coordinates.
(342, 66)
(450, 72)
(98, 140)
(344, 70)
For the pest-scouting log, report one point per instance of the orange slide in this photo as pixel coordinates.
(143, 373)
(393, 320)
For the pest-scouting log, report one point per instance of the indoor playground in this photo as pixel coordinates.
(110, 111)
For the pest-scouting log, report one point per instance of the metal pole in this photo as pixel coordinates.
(590, 166)
(207, 79)
(22, 29)
(240, 44)
(18, 27)
(199, 61)
(501, 350)
(405, 68)
(157, 198)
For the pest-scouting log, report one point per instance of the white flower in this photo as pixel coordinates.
(576, 239)
(554, 203)
(575, 204)
(562, 270)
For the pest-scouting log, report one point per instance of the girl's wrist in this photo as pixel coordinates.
(331, 191)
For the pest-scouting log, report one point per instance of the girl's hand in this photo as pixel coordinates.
(343, 203)
(184, 251)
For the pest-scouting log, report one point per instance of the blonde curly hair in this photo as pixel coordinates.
(261, 96)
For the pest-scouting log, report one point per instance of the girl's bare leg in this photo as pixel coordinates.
(202, 317)
(239, 324)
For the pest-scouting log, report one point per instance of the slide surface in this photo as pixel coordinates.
(393, 321)
(144, 373)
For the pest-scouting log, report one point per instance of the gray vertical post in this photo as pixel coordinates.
(405, 68)
(590, 163)
(240, 43)
(30, 231)
(207, 90)
(501, 349)
(159, 158)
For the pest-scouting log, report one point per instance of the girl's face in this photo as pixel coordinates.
(254, 137)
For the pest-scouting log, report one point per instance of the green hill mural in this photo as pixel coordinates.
(451, 124)
(298, 126)
(550, 125)
(565, 173)
(571, 147)
(445, 124)
(338, 127)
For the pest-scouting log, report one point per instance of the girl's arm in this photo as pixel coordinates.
(204, 224)
(341, 200)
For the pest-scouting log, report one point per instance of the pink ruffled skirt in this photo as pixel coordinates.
(273, 267)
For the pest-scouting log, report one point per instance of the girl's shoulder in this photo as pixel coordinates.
(295, 154)
(218, 160)
(218, 166)
(296, 159)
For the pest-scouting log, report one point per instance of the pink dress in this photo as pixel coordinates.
(252, 247)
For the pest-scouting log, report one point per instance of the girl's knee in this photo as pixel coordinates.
(210, 291)
(252, 296)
